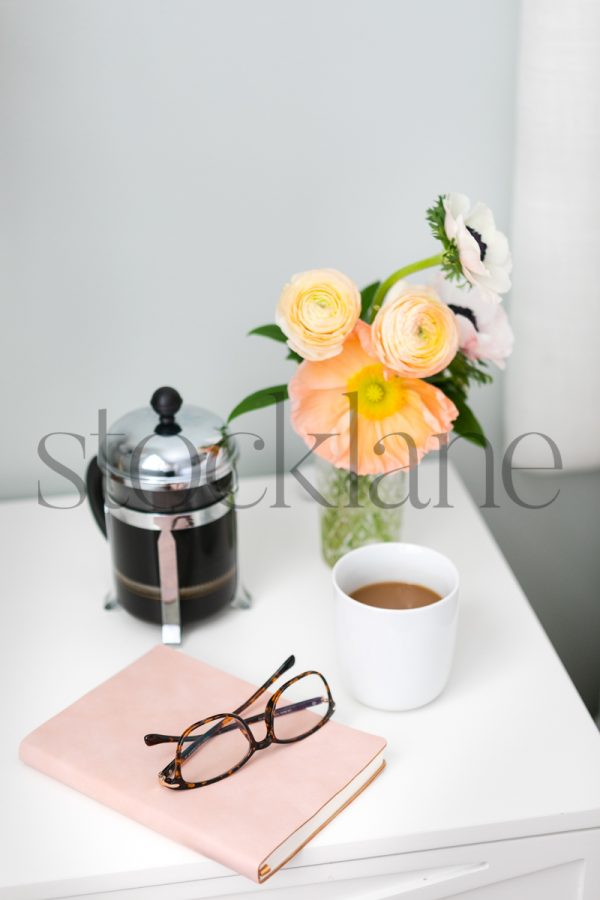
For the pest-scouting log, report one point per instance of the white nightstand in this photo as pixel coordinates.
(491, 793)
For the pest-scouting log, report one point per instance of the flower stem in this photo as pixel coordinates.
(396, 276)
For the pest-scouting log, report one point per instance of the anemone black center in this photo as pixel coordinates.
(480, 242)
(466, 312)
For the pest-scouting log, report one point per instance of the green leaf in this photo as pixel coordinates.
(366, 299)
(451, 265)
(436, 217)
(270, 331)
(460, 373)
(467, 424)
(463, 371)
(276, 334)
(264, 397)
(454, 382)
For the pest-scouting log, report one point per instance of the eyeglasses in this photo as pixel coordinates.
(294, 712)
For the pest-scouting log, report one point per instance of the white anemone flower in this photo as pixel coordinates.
(483, 250)
(484, 332)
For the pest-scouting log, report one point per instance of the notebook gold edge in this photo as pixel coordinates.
(265, 872)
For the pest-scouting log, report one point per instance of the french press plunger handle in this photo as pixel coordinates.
(166, 403)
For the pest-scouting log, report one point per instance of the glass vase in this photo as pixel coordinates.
(363, 509)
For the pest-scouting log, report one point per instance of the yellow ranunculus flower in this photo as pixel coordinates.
(414, 332)
(317, 311)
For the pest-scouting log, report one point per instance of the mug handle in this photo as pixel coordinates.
(95, 493)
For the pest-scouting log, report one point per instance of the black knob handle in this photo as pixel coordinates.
(166, 402)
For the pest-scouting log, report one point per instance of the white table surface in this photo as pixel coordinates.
(508, 750)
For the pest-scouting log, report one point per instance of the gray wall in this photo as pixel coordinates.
(555, 554)
(168, 165)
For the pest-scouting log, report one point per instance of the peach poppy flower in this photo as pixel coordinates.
(387, 405)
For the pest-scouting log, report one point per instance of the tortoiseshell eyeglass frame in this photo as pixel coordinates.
(171, 776)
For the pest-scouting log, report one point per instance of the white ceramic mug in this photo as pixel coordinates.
(395, 659)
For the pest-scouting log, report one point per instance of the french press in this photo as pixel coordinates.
(161, 489)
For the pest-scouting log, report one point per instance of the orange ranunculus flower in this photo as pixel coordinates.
(414, 332)
(387, 405)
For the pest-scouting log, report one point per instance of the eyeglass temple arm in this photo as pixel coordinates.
(152, 739)
(264, 687)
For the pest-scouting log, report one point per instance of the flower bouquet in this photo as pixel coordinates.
(384, 373)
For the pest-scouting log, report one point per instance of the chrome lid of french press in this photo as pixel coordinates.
(168, 445)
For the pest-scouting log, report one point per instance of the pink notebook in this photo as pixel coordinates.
(254, 821)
